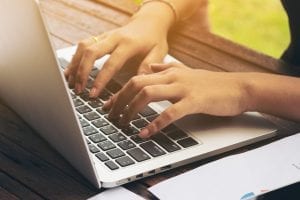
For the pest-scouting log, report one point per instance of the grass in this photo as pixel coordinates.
(260, 25)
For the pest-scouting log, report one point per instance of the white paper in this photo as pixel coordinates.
(238, 177)
(118, 193)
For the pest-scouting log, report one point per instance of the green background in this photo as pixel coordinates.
(258, 24)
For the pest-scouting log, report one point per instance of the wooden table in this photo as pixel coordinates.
(31, 169)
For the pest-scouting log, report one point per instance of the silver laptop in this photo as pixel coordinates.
(32, 83)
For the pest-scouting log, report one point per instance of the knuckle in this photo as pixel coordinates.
(169, 115)
(82, 45)
(135, 82)
(147, 92)
(89, 52)
(154, 127)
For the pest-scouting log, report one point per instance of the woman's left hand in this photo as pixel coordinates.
(190, 90)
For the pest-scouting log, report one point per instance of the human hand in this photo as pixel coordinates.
(190, 90)
(140, 37)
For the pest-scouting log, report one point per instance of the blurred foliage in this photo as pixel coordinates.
(257, 24)
(261, 25)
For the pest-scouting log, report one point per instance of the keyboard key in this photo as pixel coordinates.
(130, 130)
(102, 112)
(104, 95)
(115, 153)
(177, 134)
(113, 86)
(83, 109)
(91, 116)
(100, 123)
(138, 154)
(102, 157)
(90, 83)
(73, 95)
(77, 102)
(152, 149)
(63, 63)
(152, 118)
(95, 103)
(140, 123)
(187, 142)
(169, 128)
(125, 145)
(83, 123)
(94, 73)
(89, 130)
(147, 112)
(93, 148)
(107, 130)
(96, 138)
(85, 95)
(111, 165)
(137, 139)
(124, 161)
(106, 145)
(117, 137)
(165, 142)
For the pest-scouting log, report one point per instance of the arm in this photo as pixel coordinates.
(274, 94)
(145, 36)
(199, 91)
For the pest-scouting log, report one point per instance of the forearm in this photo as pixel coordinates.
(162, 14)
(274, 94)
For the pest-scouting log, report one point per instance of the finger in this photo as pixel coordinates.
(158, 67)
(78, 54)
(132, 88)
(72, 68)
(148, 94)
(171, 114)
(90, 55)
(156, 55)
(115, 62)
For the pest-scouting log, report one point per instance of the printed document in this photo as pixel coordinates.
(238, 177)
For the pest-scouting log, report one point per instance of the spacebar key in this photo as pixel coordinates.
(152, 149)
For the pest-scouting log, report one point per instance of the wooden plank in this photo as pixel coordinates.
(103, 12)
(69, 15)
(59, 43)
(16, 189)
(211, 55)
(230, 48)
(125, 6)
(17, 131)
(65, 31)
(38, 175)
(6, 195)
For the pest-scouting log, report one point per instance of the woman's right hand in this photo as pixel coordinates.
(145, 35)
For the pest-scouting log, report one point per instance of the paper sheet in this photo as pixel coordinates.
(238, 177)
(118, 193)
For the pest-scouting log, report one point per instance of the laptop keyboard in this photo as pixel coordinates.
(120, 146)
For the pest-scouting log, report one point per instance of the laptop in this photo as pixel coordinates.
(32, 83)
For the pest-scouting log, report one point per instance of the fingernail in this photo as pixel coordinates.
(123, 120)
(144, 133)
(107, 105)
(78, 88)
(93, 93)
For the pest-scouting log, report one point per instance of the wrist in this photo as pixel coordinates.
(249, 91)
(157, 14)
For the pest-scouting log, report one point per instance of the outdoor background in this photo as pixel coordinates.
(259, 24)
